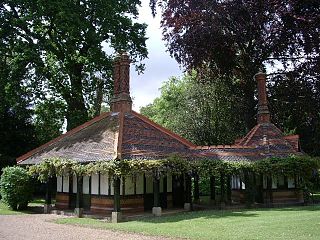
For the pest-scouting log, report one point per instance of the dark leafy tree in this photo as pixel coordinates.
(63, 44)
(295, 108)
(241, 37)
(17, 135)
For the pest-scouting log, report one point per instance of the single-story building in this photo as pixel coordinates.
(125, 134)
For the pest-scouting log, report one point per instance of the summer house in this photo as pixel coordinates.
(125, 134)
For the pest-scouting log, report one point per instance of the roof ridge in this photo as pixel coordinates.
(62, 136)
(120, 136)
(164, 130)
(249, 135)
(226, 146)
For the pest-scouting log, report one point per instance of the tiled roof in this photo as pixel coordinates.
(92, 141)
(263, 141)
(110, 136)
(132, 136)
(145, 139)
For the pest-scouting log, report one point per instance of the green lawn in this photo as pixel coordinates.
(278, 223)
(5, 210)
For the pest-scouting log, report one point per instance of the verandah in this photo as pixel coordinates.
(232, 176)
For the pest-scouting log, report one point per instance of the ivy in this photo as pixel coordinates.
(291, 166)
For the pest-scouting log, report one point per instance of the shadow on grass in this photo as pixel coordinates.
(216, 214)
(315, 207)
(208, 214)
(31, 209)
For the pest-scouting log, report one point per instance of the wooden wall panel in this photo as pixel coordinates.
(62, 201)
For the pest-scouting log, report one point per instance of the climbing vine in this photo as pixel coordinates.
(303, 166)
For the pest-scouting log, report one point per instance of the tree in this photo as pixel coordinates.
(295, 108)
(241, 37)
(17, 135)
(62, 42)
(49, 119)
(201, 112)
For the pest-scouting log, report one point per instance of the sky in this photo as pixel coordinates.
(159, 65)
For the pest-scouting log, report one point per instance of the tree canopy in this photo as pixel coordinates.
(56, 64)
(204, 113)
(242, 37)
(62, 44)
(17, 134)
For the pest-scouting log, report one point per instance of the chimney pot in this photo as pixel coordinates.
(263, 110)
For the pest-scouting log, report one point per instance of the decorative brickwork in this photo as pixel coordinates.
(263, 110)
(121, 100)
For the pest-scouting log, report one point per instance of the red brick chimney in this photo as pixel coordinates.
(121, 100)
(263, 110)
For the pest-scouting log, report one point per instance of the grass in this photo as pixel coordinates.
(5, 210)
(278, 223)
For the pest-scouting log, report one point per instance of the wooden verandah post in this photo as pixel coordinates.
(196, 193)
(116, 214)
(48, 198)
(223, 189)
(213, 188)
(79, 198)
(156, 210)
(188, 196)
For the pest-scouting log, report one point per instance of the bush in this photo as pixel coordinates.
(16, 187)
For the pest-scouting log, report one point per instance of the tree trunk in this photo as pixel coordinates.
(99, 97)
(76, 110)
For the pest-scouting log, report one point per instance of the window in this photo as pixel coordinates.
(291, 183)
(65, 180)
(86, 185)
(95, 184)
(129, 186)
(282, 182)
(104, 184)
(149, 184)
(274, 182)
(139, 184)
(235, 182)
(59, 184)
(74, 184)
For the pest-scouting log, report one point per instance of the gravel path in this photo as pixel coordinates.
(38, 226)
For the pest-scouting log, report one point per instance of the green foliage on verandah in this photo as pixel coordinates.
(16, 187)
(57, 167)
(303, 166)
(277, 223)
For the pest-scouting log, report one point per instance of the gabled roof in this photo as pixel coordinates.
(263, 141)
(109, 136)
(268, 137)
